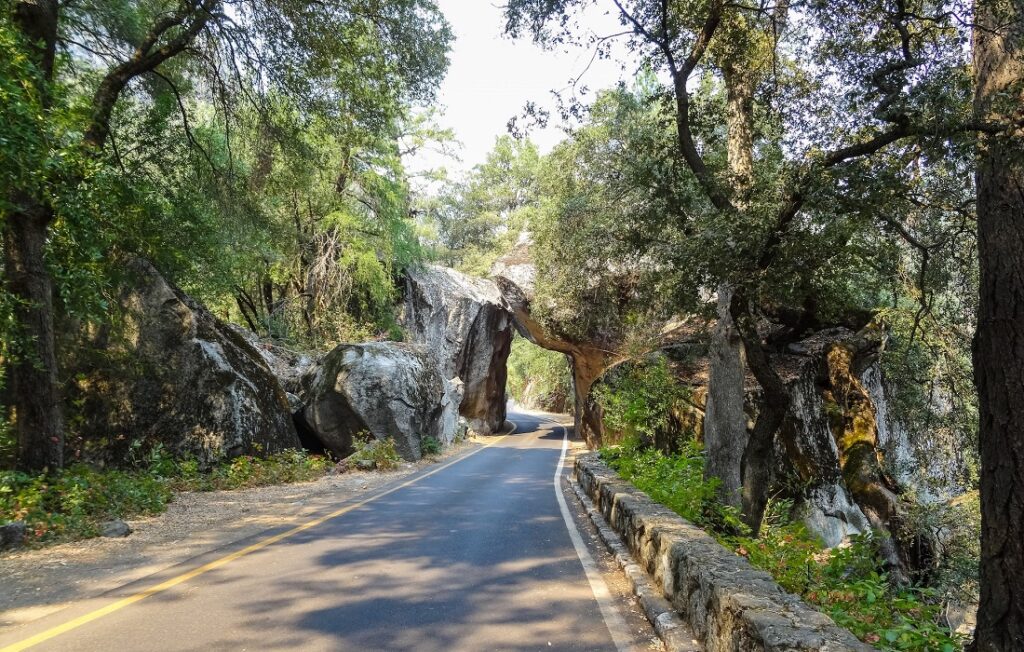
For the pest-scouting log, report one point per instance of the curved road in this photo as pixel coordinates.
(473, 554)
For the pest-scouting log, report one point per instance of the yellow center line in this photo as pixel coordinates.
(227, 559)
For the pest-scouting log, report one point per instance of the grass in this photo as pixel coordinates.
(72, 503)
(843, 582)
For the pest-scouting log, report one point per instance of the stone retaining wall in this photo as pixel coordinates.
(730, 605)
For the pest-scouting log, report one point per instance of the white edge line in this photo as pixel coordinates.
(612, 618)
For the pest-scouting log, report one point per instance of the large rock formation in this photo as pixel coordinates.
(177, 376)
(380, 389)
(465, 326)
(515, 275)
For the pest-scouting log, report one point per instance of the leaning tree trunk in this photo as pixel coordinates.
(999, 342)
(32, 371)
(759, 454)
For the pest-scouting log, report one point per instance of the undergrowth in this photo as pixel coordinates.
(381, 454)
(72, 503)
(844, 582)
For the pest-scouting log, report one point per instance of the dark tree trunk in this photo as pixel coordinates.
(759, 455)
(999, 342)
(32, 374)
(34, 390)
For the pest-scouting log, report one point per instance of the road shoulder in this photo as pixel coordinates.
(40, 582)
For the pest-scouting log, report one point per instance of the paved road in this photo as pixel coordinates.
(472, 555)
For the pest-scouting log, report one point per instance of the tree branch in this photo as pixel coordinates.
(145, 59)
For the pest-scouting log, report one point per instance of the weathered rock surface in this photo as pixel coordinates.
(115, 529)
(177, 376)
(288, 366)
(383, 389)
(12, 535)
(514, 275)
(730, 605)
(465, 326)
(452, 425)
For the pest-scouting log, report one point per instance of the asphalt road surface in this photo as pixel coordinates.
(478, 553)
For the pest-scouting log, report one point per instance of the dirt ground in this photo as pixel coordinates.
(34, 583)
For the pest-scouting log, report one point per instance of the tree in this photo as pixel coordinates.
(228, 52)
(999, 342)
(847, 83)
(32, 370)
(483, 214)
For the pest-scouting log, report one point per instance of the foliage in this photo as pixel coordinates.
(676, 481)
(601, 237)
(844, 582)
(252, 153)
(482, 216)
(638, 398)
(952, 529)
(380, 454)
(538, 378)
(430, 446)
(248, 471)
(72, 503)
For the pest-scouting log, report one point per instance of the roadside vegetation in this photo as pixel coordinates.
(849, 582)
(74, 502)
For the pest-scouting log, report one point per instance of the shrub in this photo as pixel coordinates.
(638, 398)
(843, 582)
(676, 481)
(380, 452)
(72, 503)
(249, 471)
(430, 446)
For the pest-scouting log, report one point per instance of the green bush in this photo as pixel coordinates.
(843, 582)
(676, 481)
(638, 397)
(72, 503)
(380, 452)
(430, 446)
(537, 377)
(248, 471)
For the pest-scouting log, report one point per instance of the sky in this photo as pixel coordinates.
(491, 78)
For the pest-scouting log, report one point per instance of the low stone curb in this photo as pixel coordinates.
(671, 629)
(730, 605)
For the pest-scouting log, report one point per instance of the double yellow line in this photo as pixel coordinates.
(227, 559)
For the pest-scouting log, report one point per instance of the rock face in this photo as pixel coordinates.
(179, 377)
(514, 275)
(465, 326)
(383, 389)
(287, 366)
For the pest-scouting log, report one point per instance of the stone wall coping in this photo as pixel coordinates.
(730, 605)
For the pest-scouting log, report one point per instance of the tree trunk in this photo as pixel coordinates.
(759, 455)
(999, 342)
(34, 390)
(32, 373)
(725, 423)
(739, 87)
(587, 414)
